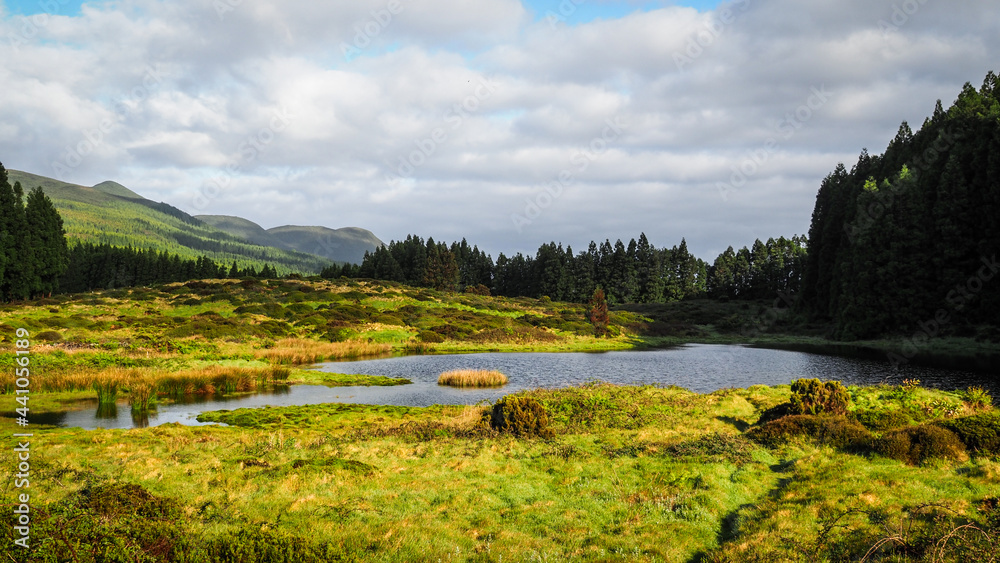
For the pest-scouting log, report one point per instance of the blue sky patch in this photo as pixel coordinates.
(55, 7)
(574, 12)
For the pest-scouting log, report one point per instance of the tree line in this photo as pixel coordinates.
(907, 241)
(634, 273)
(103, 266)
(33, 250)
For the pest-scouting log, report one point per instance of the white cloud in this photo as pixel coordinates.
(476, 107)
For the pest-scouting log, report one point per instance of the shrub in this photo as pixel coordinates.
(430, 337)
(976, 397)
(810, 396)
(915, 444)
(979, 433)
(521, 416)
(479, 289)
(882, 420)
(48, 336)
(837, 431)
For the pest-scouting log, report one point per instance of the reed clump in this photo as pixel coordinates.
(472, 378)
(299, 351)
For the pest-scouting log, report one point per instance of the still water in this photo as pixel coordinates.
(698, 367)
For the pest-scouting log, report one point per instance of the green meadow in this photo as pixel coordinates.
(594, 473)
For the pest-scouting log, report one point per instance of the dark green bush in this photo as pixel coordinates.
(915, 444)
(882, 420)
(776, 412)
(837, 431)
(810, 396)
(521, 416)
(48, 336)
(980, 433)
(430, 337)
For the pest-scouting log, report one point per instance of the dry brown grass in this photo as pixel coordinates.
(298, 351)
(472, 378)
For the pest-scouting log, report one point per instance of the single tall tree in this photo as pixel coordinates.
(597, 311)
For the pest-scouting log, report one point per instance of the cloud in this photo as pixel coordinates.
(450, 119)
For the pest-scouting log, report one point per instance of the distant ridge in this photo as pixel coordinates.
(347, 244)
(110, 213)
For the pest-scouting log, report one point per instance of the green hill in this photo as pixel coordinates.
(111, 213)
(348, 244)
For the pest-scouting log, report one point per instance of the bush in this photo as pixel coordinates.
(48, 336)
(915, 444)
(810, 396)
(430, 337)
(977, 398)
(521, 416)
(836, 431)
(980, 433)
(479, 289)
(882, 420)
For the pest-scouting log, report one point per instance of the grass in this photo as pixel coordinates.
(472, 378)
(301, 351)
(631, 474)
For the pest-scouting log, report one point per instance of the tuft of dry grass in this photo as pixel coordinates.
(472, 378)
(299, 351)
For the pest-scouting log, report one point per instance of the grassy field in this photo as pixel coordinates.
(619, 473)
(630, 474)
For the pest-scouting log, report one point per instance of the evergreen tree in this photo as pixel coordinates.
(47, 239)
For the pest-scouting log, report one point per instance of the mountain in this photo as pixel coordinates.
(113, 214)
(348, 244)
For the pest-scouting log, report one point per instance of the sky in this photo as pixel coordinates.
(509, 123)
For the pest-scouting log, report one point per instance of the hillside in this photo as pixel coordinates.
(111, 213)
(348, 244)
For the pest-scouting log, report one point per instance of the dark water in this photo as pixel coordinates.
(701, 368)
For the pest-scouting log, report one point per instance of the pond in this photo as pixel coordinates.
(698, 367)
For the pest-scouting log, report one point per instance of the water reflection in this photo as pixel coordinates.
(107, 411)
(701, 368)
(140, 419)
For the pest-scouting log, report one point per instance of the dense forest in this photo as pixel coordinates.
(33, 251)
(907, 241)
(634, 273)
(93, 266)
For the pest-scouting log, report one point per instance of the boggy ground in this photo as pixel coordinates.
(628, 474)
